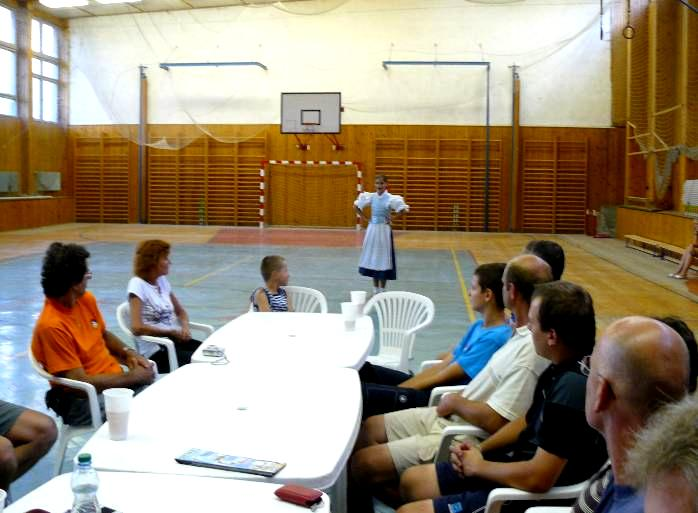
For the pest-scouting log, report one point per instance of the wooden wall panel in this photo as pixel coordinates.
(21, 213)
(440, 169)
(202, 180)
(443, 181)
(692, 170)
(48, 151)
(102, 178)
(662, 226)
(311, 195)
(10, 151)
(554, 186)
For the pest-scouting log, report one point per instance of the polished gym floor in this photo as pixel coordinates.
(214, 270)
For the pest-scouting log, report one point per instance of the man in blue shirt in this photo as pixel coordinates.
(385, 390)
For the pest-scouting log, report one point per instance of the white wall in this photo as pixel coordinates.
(565, 68)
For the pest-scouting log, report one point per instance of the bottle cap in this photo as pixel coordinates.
(85, 458)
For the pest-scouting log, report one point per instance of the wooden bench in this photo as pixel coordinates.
(662, 250)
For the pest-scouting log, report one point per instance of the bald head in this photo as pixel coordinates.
(525, 272)
(645, 361)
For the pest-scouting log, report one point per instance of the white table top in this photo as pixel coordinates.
(308, 420)
(145, 493)
(293, 336)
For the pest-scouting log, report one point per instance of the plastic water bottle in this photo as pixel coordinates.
(84, 484)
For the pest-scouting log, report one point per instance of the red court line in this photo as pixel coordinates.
(289, 237)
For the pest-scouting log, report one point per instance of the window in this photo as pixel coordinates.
(45, 71)
(8, 63)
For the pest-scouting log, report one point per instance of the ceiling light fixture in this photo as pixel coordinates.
(108, 2)
(59, 4)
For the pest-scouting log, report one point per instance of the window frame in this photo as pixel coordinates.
(10, 47)
(42, 57)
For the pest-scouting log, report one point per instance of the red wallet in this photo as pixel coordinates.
(300, 495)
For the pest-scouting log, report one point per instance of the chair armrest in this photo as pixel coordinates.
(418, 327)
(437, 392)
(169, 346)
(450, 433)
(498, 496)
(91, 393)
(204, 328)
(428, 363)
(550, 509)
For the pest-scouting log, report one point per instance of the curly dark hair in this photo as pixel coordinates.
(64, 265)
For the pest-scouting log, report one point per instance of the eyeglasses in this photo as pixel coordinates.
(585, 365)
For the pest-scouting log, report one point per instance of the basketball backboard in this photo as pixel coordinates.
(311, 113)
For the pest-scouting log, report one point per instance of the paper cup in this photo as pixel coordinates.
(358, 297)
(117, 403)
(350, 311)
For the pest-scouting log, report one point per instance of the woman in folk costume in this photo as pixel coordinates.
(378, 253)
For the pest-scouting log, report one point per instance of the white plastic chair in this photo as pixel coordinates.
(305, 299)
(450, 433)
(68, 432)
(428, 363)
(498, 496)
(123, 317)
(400, 316)
(438, 392)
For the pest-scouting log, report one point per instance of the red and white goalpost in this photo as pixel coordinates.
(308, 163)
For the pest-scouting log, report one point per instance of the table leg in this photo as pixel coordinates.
(338, 493)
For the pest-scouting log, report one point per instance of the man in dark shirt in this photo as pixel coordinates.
(551, 445)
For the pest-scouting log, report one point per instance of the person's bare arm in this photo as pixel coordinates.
(140, 370)
(138, 327)
(504, 436)
(133, 378)
(473, 412)
(360, 213)
(445, 372)
(262, 301)
(183, 316)
(125, 354)
(537, 475)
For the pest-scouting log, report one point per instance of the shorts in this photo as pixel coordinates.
(414, 436)
(381, 399)
(460, 495)
(469, 494)
(9, 413)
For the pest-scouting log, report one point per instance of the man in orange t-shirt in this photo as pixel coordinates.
(71, 340)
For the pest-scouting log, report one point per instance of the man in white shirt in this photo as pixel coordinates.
(503, 391)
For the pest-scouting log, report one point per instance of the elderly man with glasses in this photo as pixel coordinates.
(638, 365)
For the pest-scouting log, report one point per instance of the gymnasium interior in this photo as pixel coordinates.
(498, 121)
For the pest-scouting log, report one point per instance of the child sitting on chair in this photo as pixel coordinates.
(272, 297)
